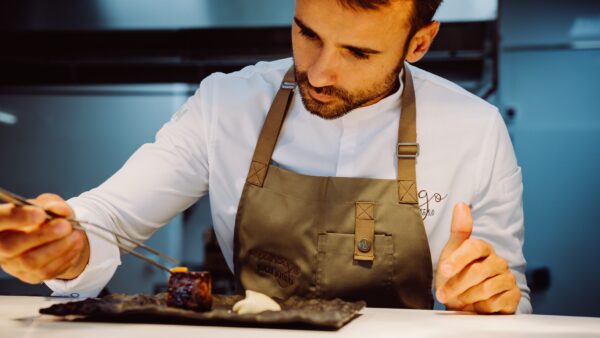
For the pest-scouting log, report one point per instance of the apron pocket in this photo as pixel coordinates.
(340, 276)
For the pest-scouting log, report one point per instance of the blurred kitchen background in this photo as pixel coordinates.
(85, 83)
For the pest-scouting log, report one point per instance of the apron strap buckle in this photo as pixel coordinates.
(288, 85)
(408, 150)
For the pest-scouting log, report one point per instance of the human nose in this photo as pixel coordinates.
(322, 73)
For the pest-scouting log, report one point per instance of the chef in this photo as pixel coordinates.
(343, 172)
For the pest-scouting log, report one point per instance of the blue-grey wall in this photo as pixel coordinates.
(550, 79)
(68, 139)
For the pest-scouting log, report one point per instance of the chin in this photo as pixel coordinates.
(328, 111)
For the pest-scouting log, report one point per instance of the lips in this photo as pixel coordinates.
(319, 97)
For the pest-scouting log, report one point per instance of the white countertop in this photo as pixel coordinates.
(19, 317)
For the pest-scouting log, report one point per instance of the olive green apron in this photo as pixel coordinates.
(328, 237)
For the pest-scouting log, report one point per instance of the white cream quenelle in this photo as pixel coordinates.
(255, 302)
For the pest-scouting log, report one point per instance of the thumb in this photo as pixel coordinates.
(460, 229)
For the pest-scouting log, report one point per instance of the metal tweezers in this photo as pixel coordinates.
(15, 199)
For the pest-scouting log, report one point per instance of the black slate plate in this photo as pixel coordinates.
(297, 313)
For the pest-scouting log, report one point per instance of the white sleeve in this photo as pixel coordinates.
(498, 204)
(158, 181)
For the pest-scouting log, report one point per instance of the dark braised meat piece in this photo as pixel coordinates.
(190, 290)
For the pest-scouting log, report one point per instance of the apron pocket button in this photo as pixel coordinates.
(364, 245)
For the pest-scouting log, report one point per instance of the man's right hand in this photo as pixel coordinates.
(34, 249)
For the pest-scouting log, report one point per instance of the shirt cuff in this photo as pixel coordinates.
(524, 307)
(103, 262)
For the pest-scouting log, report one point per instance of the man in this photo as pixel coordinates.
(316, 194)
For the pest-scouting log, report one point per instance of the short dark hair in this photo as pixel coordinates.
(424, 10)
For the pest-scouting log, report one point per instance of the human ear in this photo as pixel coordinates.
(421, 41)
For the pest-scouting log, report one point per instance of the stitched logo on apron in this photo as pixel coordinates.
(284, 270)
(427, 203)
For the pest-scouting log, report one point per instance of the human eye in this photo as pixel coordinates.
(308, 34)
(357, 53)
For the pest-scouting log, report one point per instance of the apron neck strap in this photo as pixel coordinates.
(407, 148)
(270, 131)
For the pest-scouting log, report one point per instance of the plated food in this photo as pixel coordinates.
(254, 303)
(189, 290)
(193, 291)
(189, 300)
(296, 312)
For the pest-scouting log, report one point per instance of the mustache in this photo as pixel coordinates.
(302, 80)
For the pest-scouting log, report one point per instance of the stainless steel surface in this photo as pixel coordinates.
(467, 10)
(562, 25)
(13, 198)
(182, 14)
(143, 14)
(7, 118)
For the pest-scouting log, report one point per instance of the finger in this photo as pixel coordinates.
(460, 231)
(469, 252)
(473, 274)
(488, 289)
(20, 218)
(47, 197)
(31, 266)
(504, 303)
(468, 308)
(37, 258)
(461, 226)
(46, 262)
(52, 270)
(14, 243)
(17, 272)
(53, 203)
(57, 267)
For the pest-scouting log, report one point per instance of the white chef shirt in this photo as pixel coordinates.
(466, 156)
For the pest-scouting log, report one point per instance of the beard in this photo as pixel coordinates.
(343, 101)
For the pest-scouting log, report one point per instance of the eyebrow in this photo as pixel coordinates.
(365, 50)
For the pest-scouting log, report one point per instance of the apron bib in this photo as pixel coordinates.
(333, 237)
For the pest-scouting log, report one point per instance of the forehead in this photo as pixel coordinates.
(332, 17)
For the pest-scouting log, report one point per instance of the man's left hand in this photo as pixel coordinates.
(470, 276)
